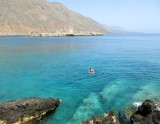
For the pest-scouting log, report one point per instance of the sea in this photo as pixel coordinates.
(127, 72)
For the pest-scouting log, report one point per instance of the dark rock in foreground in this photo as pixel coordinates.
(108, 118)
(26, 111)
(146, 114)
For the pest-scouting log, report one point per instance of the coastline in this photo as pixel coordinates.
(54, 35)
(34, 109)
(73, 35)
(15, 35)
(34, 34)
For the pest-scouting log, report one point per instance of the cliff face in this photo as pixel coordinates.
(21, 17)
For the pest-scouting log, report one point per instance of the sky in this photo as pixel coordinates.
(131, 15)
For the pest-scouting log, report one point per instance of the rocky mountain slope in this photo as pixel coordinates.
(21, 17)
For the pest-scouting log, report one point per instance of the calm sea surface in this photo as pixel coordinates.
(127, 70)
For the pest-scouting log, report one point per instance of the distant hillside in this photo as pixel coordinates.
(119, 30)
(21, 17)
(116, 29)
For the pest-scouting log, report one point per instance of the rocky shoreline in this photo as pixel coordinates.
(108, 118)
(65, 34)
(56, 34)
(31, 110)
(146, 113)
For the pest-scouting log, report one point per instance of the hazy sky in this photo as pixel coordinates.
(132, 15)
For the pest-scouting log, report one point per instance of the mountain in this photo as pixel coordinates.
(21, 17)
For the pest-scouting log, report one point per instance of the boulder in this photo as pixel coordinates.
(146, 114)
(26, 111)
(108, 118)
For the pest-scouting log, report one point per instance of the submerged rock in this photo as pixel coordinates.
(124, 115)
(146, 114)
(26, 111)
(108, 118)
(123, 118)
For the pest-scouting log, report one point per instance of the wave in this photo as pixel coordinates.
(136, 104)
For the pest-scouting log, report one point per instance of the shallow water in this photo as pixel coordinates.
(127, 70)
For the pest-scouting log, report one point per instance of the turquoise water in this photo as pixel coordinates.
(127, 70)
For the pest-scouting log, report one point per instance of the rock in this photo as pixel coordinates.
(108, 118)
(147, 107)
(123, 118)
(146, 114)
(26, 111)
(130, 110)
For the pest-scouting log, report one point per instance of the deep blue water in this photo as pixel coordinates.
(127, 70)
